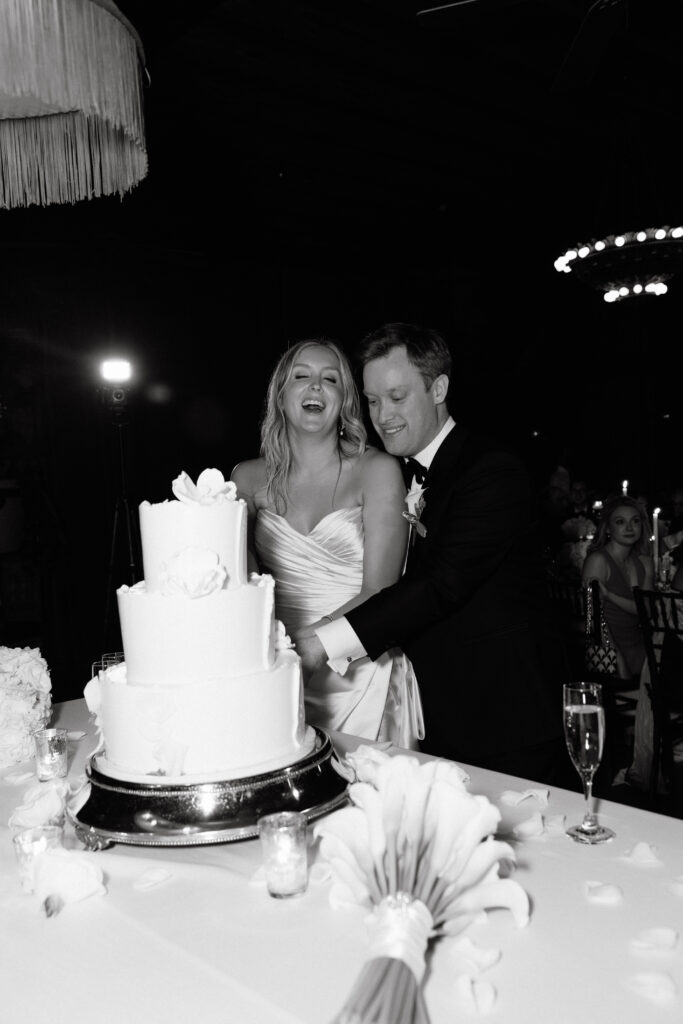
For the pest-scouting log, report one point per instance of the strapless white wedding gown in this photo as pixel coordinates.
(315, 574)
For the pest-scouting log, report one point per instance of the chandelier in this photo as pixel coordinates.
(632, 264)
(71, 116)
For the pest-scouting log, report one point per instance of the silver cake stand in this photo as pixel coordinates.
(157, 813)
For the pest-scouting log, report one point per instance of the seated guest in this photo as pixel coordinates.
(619, 559)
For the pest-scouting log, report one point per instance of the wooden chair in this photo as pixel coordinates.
(568, 604)
(661, 620)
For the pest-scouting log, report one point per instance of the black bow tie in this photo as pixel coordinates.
(413, 468)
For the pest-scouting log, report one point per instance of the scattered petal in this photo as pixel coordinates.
(52, 905)
(513, 797)
(468, 958)
(655, 940)
(555, 825)
(70, 874)
(153, 876)
(603, 894)
(656, 987)
(643, 855)
(530, 828)
(476, 997)
(75, 734)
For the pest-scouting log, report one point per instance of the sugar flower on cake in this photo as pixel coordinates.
(211, 487)
(25, 702)
(193, 572)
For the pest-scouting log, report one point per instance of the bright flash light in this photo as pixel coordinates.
(116, 370)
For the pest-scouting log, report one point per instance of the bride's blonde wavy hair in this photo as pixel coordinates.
(275, 447)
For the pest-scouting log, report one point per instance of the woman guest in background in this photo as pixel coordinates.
(325, 515)
(619, 560)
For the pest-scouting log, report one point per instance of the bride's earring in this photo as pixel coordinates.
(341, 430)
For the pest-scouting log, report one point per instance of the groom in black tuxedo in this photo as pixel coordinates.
(469, 609)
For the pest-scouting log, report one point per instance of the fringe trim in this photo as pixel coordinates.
(79, 60)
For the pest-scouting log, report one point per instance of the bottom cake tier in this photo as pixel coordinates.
(156, 813)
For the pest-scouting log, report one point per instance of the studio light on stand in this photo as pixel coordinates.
(116, 376)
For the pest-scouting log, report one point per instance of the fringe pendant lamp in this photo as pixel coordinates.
(71, 114)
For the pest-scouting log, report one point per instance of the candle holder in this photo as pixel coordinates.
(29, 845)
(51, 753)
(284, 842)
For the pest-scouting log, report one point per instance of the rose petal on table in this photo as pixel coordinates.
(43, 803)
(75, 734)
(676, 886)
(52, 905)
(603, 893)
(468, 958)
(530, 828)
(655, 940)
(555, 824)
(657, 987)
(643, 855)
(72, 875)
(513, 797)
(478, 997)
(153, 876)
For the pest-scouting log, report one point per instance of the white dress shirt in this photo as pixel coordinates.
(339, 639)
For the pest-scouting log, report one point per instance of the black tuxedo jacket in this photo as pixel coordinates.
(470, 610)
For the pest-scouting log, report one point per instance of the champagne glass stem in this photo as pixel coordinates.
(590, 821)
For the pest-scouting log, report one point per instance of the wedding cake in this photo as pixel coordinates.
(210, 687)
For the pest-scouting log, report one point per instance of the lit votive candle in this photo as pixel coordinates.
(29, 844)
(285, 852)
(51, 753)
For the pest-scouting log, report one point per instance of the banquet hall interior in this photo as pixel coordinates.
(320, 169)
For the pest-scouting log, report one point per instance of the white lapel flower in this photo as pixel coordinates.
(416, 505)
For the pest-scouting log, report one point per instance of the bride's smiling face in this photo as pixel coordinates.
(313, 395)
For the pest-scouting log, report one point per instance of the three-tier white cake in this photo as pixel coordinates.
(210, 687)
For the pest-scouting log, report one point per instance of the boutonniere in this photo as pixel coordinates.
(416, 506)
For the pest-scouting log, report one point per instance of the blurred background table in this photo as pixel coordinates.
(208, 943)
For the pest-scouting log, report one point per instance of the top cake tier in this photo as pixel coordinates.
(206, 516)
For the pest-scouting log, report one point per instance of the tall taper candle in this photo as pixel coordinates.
(655, 558)
(624, 486)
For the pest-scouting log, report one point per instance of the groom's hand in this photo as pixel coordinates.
(309, 648)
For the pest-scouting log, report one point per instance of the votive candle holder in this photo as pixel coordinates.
(29, 845)
(51, 747)
(284, 843)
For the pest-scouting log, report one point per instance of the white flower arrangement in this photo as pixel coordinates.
(25, 702)
(417, 849)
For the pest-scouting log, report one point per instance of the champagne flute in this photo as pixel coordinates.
(584, 732)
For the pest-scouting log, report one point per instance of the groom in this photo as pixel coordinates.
(468, 610)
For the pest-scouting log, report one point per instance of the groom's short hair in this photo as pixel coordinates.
(425, 348)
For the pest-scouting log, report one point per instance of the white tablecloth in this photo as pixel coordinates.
(209, 945)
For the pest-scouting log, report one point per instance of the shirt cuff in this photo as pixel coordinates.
(341, 644)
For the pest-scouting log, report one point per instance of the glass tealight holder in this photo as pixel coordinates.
(284, 843)
(51, 747)
(29, 844)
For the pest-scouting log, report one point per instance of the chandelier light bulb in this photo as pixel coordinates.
(619, 240)
(600, 245)
(583, 252)
(637, 289)
(660, 233)
(641, 236)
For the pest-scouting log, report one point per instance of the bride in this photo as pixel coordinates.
(325, 521)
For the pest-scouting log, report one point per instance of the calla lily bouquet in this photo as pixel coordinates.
(417, 849)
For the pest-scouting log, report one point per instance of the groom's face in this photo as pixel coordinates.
(403, 411)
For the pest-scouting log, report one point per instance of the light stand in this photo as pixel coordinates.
(123, 534)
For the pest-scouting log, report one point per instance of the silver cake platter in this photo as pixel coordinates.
(156, 813)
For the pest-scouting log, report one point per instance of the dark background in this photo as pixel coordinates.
(321, 168)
